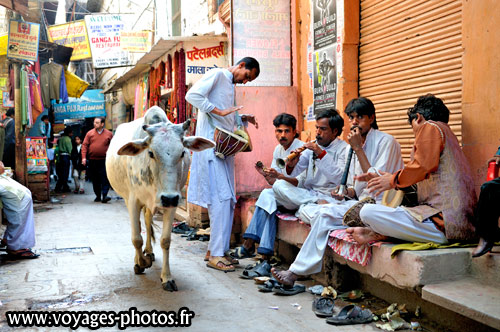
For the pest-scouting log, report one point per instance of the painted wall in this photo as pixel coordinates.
(481, 84)
(265, 103)
(347, 83)
(195, 22)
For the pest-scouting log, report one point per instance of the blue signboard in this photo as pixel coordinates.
(89, 105)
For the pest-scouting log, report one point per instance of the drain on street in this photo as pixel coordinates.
(75, 250)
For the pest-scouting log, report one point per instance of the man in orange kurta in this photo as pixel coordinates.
(445, 187)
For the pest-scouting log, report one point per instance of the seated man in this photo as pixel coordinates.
(18, 208)
(286, 134)
(374, 151)
(487, 219)
(445, 187)
(321, 164)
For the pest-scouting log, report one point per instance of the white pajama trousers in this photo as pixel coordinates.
(329, 217)
(20, 232)
(399, 224)
(293, 198)
(220, 212)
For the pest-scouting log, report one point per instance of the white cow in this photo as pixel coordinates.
(147, 164)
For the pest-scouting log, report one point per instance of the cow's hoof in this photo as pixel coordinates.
(152, 255)
(138, 269)
(169, 286)
(150, 258)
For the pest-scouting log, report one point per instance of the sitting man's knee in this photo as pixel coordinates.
(366, 214)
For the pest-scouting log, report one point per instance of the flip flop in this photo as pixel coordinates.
(289, 290)
(268, 286)
(182, 228)
(323, 306)
(351, 314)
(226, 266)
(241, 253)
(262, 269)
(22, 254)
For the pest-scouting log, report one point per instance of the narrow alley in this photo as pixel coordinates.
(86, 264)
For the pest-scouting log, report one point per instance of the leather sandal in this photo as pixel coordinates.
(221, 264)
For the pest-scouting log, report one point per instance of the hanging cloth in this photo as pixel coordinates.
(137, 100)
(173, 95)
(50, 81)
(169, 72)
(181, 92)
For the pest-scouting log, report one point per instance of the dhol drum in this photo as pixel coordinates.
(228, 144)
(405, 197)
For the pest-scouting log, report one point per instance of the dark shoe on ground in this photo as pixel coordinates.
(351, 314)
(323, 306)
(289, 290)
(241, 253)
(20, 254)
(482, 248)
(182, 228)
(97, 199)
(268, 286)
(263, 269)
(106, 199)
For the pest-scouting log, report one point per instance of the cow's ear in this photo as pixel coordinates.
(186, 124)
(197, 143)
(134, 148)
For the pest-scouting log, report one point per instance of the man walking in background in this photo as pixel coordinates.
(94, 148)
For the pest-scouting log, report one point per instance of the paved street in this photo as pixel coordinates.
(86, 263)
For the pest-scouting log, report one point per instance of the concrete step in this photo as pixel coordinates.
(487, 267)
(181, 215)
(468, 297)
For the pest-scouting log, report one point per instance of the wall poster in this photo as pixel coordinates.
(325, 78)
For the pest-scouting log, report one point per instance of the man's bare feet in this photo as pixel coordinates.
(287, 277)
(322, 201)
(363, 235)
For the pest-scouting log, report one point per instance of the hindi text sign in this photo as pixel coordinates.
(72, 35)
(23, 40)
(261, 29)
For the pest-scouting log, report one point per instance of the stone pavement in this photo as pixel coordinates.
(86, 263)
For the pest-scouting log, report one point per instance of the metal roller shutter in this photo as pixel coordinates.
(407, 49)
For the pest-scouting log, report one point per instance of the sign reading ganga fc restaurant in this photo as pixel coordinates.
(23, 40)
(104, 37)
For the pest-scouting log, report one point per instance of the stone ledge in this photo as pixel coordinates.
(468, 297)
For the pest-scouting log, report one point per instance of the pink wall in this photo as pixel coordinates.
(265, 103)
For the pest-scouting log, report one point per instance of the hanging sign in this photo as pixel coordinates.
(203, 56)
(90, 105)
(135, 41)
(72, 35)
(104, 37)
(23, 40)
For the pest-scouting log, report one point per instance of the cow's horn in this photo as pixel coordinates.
(186, 124)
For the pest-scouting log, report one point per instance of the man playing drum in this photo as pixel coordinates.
(374, 151)
(211, 183)
(320, 167)
(445, 186)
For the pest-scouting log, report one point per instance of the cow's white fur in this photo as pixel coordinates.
(149, 159)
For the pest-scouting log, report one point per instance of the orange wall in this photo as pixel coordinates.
(347, 87)
(481, 84)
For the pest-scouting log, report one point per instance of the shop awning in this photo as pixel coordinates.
(160, 48)
(19, 6)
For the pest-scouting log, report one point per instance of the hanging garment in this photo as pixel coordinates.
(169, 72)
(50, 81)
(181, 92)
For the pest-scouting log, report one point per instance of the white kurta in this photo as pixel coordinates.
(214, 89)
(18, 209)
(211, 182)
(266, 199)
(384, 154)
(317, 177)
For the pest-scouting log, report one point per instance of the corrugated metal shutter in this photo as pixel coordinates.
(407, 49)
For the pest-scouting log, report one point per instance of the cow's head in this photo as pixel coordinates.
(166, 159)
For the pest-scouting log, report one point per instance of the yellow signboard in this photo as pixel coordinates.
(135, 41)
(23, 40)
(73, 35)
